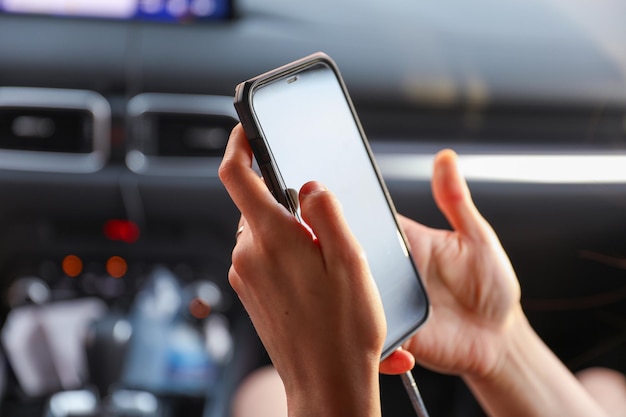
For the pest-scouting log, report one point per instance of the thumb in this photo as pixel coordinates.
(323, 213)
(453, 197)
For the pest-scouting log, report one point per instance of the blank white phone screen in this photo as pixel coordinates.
(311, 133)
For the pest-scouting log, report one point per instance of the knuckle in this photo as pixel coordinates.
(235, 280)
(322, 203)
(239, 259)
(226, 171)
(352, 257)
(358, 258)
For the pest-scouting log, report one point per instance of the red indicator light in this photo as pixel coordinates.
(121, 230)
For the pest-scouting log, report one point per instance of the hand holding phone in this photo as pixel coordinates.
(302, 126)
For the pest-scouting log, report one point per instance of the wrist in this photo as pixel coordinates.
(528, 379)
(337, 389)
(508, 347)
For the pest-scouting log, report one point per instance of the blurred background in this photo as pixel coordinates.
(116, 232)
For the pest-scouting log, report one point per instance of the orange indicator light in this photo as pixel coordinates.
(72, 266)
(116, 266)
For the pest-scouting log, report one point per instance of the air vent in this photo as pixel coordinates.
(53, 130)
(178, 134)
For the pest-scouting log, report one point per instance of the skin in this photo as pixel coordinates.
(314, 304)
(290, 296)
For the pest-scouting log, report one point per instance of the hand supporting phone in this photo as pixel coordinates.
(302, 126)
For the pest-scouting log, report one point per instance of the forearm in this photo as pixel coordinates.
(531, 381)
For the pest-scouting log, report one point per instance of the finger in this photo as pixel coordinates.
(323, 213)
(242, 221)
(244, 261)
(420, 242)
(417, 234)
(241, 226)
(246, 188)
(399, 362)
(453, 197)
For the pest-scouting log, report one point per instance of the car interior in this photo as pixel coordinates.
(116, 232)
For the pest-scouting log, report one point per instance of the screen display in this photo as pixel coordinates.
(312, 134)
(151, 10)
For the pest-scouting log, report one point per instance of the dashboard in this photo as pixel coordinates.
(112, 128)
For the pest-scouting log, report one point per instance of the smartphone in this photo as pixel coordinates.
(302, 126)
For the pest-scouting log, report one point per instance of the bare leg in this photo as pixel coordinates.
(262, 394)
